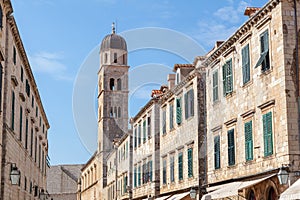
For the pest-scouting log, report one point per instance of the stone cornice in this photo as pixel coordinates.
(244, 29)
(142, 111)
(23, 56)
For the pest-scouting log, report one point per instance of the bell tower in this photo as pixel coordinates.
(112, 94)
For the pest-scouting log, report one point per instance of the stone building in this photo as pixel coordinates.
(62, 181)
(112, 110)
(182, 133)
(23, 122)
(145, 156)
(252, 111)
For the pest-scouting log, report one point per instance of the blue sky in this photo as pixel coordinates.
(59, 35)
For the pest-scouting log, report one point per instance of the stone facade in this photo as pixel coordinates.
(62, 181)
(23, 123)
(145, 154)
(252, 103)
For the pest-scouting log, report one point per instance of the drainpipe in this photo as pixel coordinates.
(297, 66)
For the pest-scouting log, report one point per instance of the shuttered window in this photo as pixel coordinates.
(172, 175)
(215, 86)
(135, 137)
(13, 110)
(190, 162)
(135, 177)
(268, 134)
(264, 59)
(21, 124)
(189, 104)
(180, 166)
(248, 141)
(139, 135)
(246, 64)
(231, 147)
(171, 112)
(150, 169)
(227, 77)
(144, 131)
(178, 111)
(164, 171)
(164, 129)
(139, 176)
(217, 152)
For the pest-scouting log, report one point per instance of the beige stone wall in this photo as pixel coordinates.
(274, 85)
(179, 139)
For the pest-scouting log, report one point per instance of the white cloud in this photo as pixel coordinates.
(50, 63)
(230, 13)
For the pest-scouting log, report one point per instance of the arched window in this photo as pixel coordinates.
(119, 84)
(112, 84)
(115, 58)
(119, 112)
(105, 58)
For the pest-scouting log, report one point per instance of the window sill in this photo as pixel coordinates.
(249, 162)
(229, 95)
(216, 102)
(231, 166)
(267, 71)
(245, 85)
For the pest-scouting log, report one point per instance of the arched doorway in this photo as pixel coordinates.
(251, 196)
(272, 194)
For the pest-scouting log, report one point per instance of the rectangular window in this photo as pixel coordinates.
(150, 169)
(231, 147)
(27, 88)
(36, 111)
(13, 110)
(227, 77)
(115, 58)
(139, 135)
(144, 131)
(246, 64)
(172, 174)
(26, 133)
(217, 152)
(32, 101)
(189, 104)
(178, 111)
(21, 123)
(14, 55)
(35, 150)
(135, 137)
(125, 184)
(171, 109)
(149, 126)
(164, 130)
(139, 176)
(127, 149)
(215, 86)
(31, 142)
(268, 134)
(264, 59)
(144, 180)
(248, 141)
(164, 171)
(135, 177)
(22, 74)
(180, 166)
(190, 162)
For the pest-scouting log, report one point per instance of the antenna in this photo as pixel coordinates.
(113, 28)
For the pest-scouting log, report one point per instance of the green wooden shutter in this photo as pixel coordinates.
(246, 64)
(231, 147)
(172, 177)
(171, 108)
(248, 141)
(190, 162)
(229, 77)
(144, 131)
(268, 135)
(191, 102)
(180, 166)
(135, 177)
(215, 86)
(164, 171)
(139, 175)
(217, 152)
(224, 69)
(150, 170)
(178, 111)
(186, 105)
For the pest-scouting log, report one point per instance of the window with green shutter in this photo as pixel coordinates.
(231, 147)
(135, 137)
(248, 141)
(227, 77)
(217, 152)
(171, 112)
(149, 126)
(135, 177)
(13, 110)
(180, 166)
(144, 131)
(190, 162)
(268, 134)
(164, 171)
(215, 86)
(172, 175)
(125, 184)
(178, 111)
(139, 135)
(164, 129)
(264, 59)
(139, 176)
(246, 64)
(189, 104)
(21, 123)
(150, 169)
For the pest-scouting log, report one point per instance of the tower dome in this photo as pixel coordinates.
(113, 41)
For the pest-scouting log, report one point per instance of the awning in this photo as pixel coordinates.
(292, 192)
(232, 189)
(162, 198)
(179, 196)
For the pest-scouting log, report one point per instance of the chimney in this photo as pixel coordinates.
(250, 11)
(171, 81)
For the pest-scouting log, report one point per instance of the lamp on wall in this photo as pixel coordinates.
(14, 174)
(283, 176)
(193, 193)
